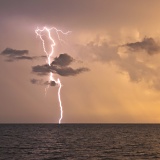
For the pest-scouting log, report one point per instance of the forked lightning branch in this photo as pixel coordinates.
(49, 55)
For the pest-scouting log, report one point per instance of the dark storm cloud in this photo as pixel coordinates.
(147, 44)
(52, 83)
(63, 60)
(63, 71)
(36, 81)
(41, 69)
(59, 66)
(41, 82)
(14, 52)
(13, 55)
(68, 71)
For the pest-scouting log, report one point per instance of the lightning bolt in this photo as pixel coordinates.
(49, 56)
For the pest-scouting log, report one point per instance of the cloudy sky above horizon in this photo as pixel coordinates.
(109, 65)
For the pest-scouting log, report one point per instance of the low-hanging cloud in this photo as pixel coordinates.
(63, 60)
(147, 44)
(14, 52)
(42, 69)
(14, 55)
(41, 82)
(37, 81)
(63, 71)
(68, 71)
(59, 66)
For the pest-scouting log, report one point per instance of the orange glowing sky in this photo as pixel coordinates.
(119, 41)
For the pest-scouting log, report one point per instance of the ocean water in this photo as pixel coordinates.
(79, 141)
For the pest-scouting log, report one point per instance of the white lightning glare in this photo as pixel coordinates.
(49, 56)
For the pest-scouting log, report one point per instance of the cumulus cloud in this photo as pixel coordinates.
(147, 44)
(63, 71)
(129, 59)
(59, 66)
(14, 55)
(139, 66)
(102, 51)
(63, 60)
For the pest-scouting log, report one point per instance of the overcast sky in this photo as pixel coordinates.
(115, 44)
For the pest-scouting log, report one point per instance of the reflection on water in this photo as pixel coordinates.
(79, 141)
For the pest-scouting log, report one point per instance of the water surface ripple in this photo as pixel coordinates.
(79, 141)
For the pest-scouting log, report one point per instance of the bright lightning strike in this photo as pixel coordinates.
(49, 56)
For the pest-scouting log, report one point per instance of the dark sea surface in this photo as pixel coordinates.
(79, 141)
